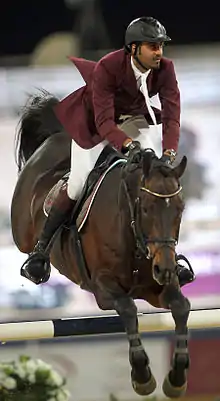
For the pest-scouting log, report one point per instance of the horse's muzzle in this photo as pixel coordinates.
(163, 276)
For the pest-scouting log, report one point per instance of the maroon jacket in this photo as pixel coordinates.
(90, 114)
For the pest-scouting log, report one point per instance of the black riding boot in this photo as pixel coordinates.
(185, 274)
(37, 267)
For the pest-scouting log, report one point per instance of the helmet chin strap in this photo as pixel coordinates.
(137, 58)
(140, 63)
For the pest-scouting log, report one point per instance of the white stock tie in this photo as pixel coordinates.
(142, 76)
(144, 90)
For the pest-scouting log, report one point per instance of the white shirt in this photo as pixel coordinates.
(138, 74)
(141, 78)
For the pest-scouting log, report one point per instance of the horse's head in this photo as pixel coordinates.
(158, 213)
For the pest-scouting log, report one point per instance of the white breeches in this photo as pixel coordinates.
(83, 160)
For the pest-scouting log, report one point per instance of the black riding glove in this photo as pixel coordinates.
(131, 147)
(133, 152)
(167, 158)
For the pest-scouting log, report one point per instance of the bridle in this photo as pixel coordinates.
(166, 196)
(142, 249)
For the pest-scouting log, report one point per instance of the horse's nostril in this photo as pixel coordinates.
(156, 270)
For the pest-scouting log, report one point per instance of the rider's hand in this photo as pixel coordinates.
(168, 157)
(129, 146)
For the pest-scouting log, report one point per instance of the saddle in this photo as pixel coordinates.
(106, 159)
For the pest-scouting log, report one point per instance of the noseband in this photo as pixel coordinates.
(142, 249)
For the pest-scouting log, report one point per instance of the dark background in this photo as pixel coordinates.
(24, 23)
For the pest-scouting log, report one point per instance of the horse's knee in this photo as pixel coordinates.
(182, 307)
(126, 305)
(187, 305)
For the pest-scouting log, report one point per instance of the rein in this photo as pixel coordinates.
(142, 249)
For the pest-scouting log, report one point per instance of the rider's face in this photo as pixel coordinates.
(149, 54)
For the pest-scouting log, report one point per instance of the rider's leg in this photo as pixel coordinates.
(58, 214)
(37, 267)
(137, 128)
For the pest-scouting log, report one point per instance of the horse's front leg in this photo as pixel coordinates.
(110, 295)
(175, 383)
(142, 379)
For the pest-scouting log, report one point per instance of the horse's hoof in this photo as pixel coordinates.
(171, 391)
(145, 388)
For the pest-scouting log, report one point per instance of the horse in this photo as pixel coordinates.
(126, 248)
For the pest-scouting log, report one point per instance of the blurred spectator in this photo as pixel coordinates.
(91, 28)
(193, 180)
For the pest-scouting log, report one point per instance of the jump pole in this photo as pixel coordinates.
(104, 324)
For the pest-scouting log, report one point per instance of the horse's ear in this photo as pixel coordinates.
(179, 170)
(147, 161)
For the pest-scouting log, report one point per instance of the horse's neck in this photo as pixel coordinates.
(132, 181)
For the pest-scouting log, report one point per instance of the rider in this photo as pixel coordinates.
(114, 107)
